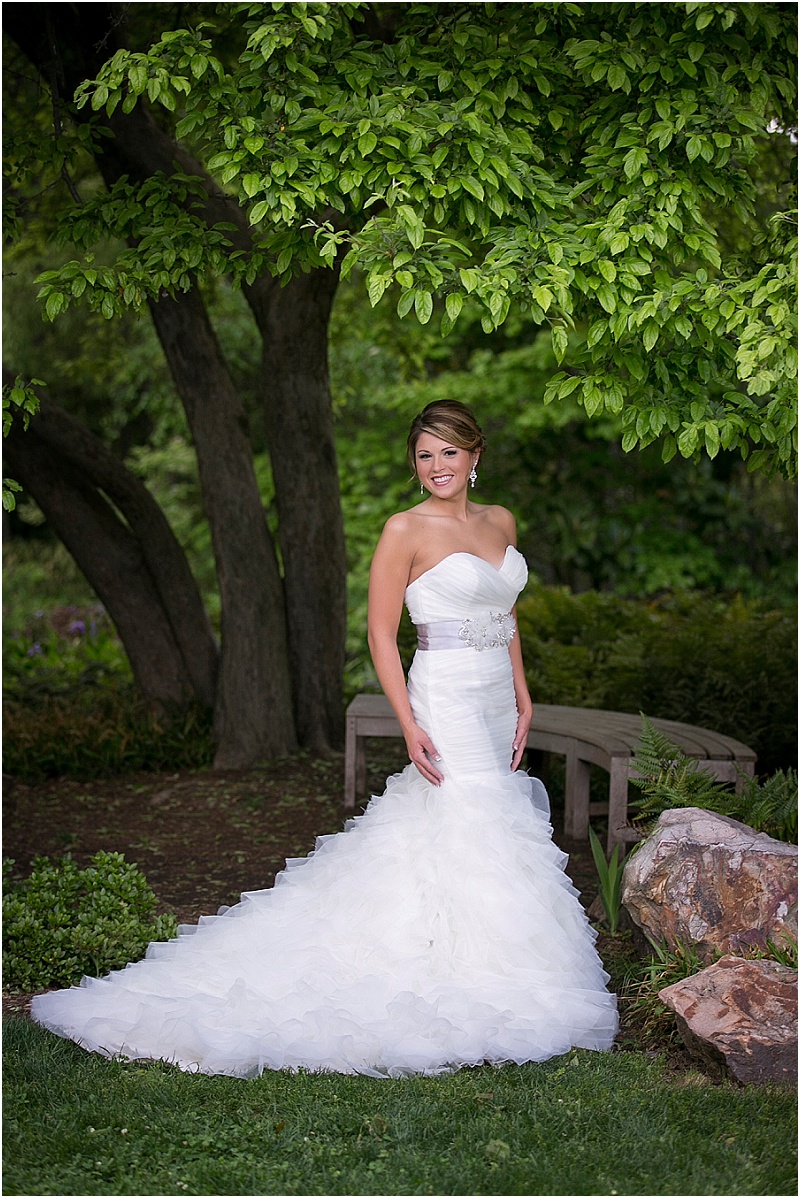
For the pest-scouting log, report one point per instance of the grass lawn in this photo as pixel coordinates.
(588, 1123)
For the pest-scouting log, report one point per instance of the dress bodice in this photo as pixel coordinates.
(464, 585)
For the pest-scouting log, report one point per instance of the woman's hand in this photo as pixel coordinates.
(521, 737)
(421, 750)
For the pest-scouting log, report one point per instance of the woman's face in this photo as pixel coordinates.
(443, 469)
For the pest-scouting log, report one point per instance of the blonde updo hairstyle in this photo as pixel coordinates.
(452, 422)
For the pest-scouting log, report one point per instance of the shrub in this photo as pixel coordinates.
(63, 922)
(720, 664)
(100, 731)
(71, 707)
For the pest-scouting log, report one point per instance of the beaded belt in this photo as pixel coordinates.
(489, 632)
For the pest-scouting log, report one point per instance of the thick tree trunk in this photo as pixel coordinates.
(111, 558)
(68, 45)
(253, 713)
(294, 327)
(163, 557)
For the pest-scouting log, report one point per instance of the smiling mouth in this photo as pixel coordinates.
(441, 480)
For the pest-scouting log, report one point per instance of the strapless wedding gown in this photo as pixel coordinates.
(437, 930)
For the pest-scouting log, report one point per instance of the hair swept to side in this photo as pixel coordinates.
(451, 421)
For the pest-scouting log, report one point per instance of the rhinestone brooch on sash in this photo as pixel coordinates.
(499, 631)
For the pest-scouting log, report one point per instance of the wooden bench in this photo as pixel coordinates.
(584, 736)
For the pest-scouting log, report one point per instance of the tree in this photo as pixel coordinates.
(569, 159)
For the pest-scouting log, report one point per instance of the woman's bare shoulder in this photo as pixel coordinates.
(400, 535)
(503, 519)
(401, 525)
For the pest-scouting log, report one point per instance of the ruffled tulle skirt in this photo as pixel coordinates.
(438, 930)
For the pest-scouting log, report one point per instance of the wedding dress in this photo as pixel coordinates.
(437, 930)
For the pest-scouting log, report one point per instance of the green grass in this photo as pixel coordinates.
(588, 1123)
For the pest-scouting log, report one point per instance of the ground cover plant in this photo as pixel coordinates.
(63, 922)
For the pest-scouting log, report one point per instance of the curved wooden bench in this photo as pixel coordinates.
(584, 736)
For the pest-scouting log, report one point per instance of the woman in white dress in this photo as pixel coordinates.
(439, 929)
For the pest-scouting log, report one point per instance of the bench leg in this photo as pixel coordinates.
(748, 769)
(576, 797)
(617, 802)
(350, 745)
(361, 765)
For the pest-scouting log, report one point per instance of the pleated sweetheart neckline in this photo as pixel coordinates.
(464, 553)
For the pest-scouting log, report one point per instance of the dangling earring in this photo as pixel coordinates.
(473, 476)
(421, 489)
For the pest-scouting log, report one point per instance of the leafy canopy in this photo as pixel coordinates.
(575, 160)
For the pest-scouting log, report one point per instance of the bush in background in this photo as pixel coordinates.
(62, 922)
(70, 706)
(728, 665)
(98, 732)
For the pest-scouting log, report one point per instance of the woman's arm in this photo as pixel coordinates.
(521, 693)
(524, 704)
(388, 579)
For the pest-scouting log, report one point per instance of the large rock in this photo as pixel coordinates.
(740, 1019)
(707, 881)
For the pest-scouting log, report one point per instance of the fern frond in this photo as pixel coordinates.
(770, 806)
(668, 777)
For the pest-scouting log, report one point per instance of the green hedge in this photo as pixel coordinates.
(725, 665)
(100, 731)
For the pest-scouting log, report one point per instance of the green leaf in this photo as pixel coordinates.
(405, 303)
(596, 332)
(634, 161)
(469, 278)
(543, 297)
(592, 398)
(693, 148)
(137, 79)
(712, 440)
(415, 229)
(258, 212)
(376, 285)
(472, 186)
(650, 336)
(366, 144)
(423, 306)
(607, 269)
(618, 77)
(560, 339)
(54, 305)
(606, 298)
(453, 305)
(669, 448)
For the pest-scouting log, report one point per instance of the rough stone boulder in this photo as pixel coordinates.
(740, 1019)
(703, 880)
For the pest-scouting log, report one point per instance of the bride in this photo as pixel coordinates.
(439, 928)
